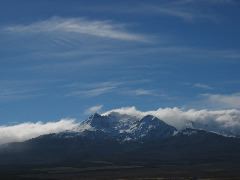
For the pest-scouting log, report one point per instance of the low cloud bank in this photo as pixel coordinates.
(221, 121)
(25, 131)
(226, 122)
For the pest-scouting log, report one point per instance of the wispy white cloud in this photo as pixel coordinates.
(117, 87)
(141, 92)
(82, 26)
(28, 130)
(221, 121)
(204, 1)
(202, 86)
(94, 109)
(93, 89)
(17, 90)
(91, 92)
(188, 10)
(182, 13)
(17, 94)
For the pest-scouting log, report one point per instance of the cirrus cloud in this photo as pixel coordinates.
(82, 26)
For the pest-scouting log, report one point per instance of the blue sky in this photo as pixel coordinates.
(61, 58)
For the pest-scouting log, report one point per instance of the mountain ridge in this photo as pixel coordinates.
(148, 140)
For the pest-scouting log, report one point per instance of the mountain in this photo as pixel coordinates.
(127, 128)
(123, 139)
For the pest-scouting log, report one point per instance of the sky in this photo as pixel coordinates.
(70, 58)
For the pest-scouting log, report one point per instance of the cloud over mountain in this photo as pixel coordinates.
(222, 121)
(28, 130)
(93, 109)
(226, 122)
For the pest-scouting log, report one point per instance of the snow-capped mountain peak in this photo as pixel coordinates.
(126, 127)
(97, 121)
